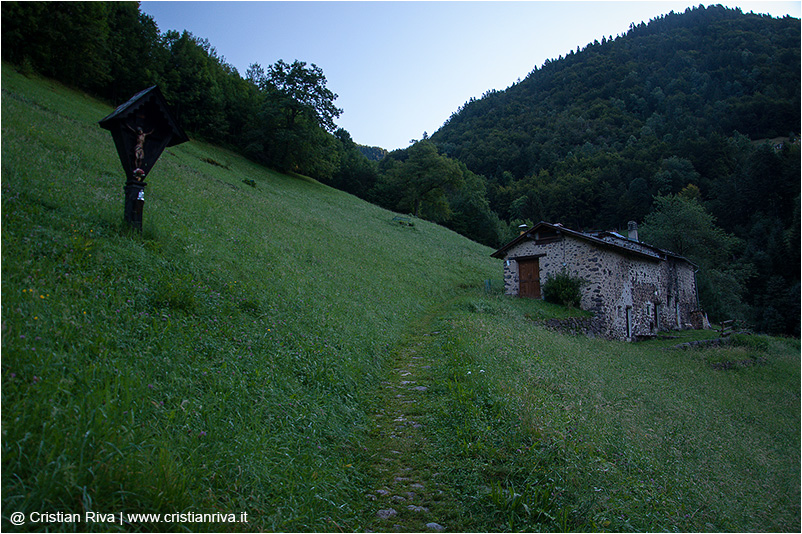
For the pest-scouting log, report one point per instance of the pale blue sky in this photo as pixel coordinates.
(402, 68)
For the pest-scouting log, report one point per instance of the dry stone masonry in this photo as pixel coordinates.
(634, 289)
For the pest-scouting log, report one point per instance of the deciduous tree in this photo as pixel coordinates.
(422, 179)
(305, 91)
(679, 223)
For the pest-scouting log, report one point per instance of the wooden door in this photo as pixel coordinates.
(529, 278)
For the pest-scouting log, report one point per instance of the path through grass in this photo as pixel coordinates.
(425, 407)
(488, 422)
(406, 490)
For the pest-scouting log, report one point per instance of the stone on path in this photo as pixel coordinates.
(386, 513)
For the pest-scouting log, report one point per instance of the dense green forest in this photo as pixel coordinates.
(281, 115)
(697, 113)
(691, 116)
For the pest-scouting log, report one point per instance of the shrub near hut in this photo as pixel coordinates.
(563, 289)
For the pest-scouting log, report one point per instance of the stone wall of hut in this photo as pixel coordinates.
(632, 296)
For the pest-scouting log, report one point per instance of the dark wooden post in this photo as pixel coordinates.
(141, 129)
(134, 203)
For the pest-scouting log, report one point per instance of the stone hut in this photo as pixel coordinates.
(634, 289)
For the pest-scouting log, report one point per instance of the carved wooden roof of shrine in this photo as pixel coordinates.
(153, 96)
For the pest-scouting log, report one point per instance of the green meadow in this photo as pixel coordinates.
(230, 359)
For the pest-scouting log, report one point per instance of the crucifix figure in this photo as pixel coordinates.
(127, 124)
(139, 149)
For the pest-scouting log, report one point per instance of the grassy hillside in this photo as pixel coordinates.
(621, 437)
(223, 359)
(242, 355)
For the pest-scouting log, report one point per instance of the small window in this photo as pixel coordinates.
(629, 321)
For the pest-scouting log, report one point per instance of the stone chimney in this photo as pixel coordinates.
(522, 229)
(632, 231)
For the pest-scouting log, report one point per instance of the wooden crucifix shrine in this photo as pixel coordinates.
(141, 129)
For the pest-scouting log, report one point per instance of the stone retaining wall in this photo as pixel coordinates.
(588, 326)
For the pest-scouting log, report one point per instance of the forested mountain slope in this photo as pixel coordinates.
(684, 76)
(691, 99)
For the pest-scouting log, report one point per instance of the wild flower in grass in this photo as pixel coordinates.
(202, 433)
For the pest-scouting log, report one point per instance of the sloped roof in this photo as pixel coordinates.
(610, 240)
(154, 94)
